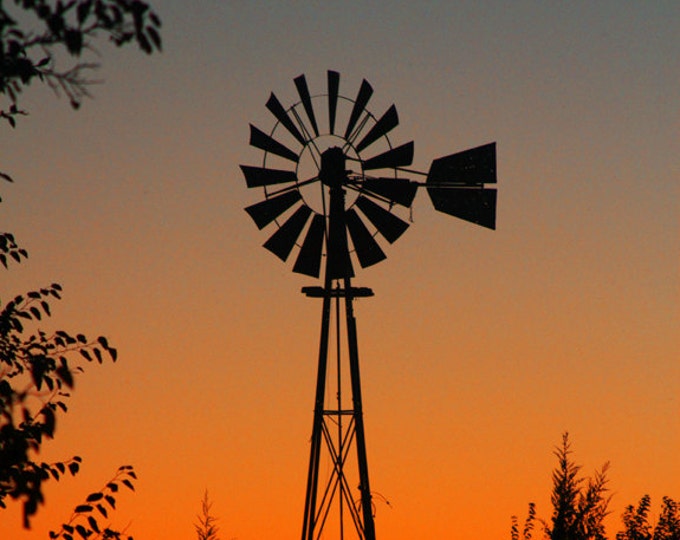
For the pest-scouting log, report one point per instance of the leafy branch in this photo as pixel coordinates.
(85, 520)
(10, 115)
(10, 249)
(8, 246)
(67, 27)
(36, 374)
(527, 531)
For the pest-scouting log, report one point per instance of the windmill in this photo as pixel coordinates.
(335, 189)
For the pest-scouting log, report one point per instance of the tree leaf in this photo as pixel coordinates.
(64, 373)
(84, 9)
(49, 421)
(155, 37)
(143, 44)
(82, 531)
(102, 510)
(93, 524)
(93, 497)
(37, 372)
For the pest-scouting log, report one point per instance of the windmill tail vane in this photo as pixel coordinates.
(322, 210)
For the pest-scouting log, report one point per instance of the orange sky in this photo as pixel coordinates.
(480, 347)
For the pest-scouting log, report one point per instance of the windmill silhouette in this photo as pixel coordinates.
(323, 200)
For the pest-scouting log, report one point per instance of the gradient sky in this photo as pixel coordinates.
(479, 349)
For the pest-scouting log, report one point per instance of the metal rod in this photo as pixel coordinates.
(313, 472)
(339, 397)
(364, 484)
(412, 171)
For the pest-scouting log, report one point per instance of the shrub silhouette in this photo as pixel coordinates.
(206, 528)
(580, 506)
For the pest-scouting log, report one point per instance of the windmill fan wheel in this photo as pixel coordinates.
(306, 168)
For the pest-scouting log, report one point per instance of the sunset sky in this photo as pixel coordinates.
(479, 349)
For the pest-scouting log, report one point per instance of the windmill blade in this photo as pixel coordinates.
(309, 259)
(274, 105)
(473, 167)
(476, 205)
(333, 89)
(389, 225)
(303, 92)
(365, 93)
(367, 249)
(396, 190)
(387, 123)
(282, 241)
(263, 213)
(401, 156)
(261, 176)
(261, 140)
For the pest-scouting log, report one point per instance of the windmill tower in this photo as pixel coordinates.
(324, 199)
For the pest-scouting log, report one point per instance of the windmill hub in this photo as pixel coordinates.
(332, 172)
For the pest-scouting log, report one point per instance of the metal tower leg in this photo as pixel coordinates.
(317, 427)
(364, 485)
